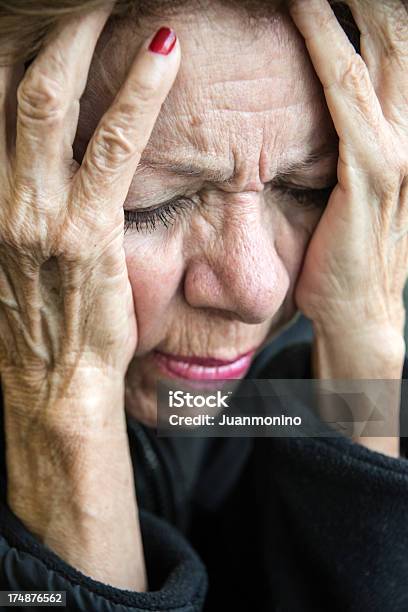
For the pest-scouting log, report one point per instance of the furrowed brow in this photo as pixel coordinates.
(312, 159)
(204, 170)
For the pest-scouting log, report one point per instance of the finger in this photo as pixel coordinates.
(8, 85)
(114, 151)
(384, 47)
(48, 97)
(4, 85)
(350, 94)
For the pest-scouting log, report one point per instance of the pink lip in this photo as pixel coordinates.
(203, 368)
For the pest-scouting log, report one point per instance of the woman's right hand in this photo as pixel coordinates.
(66, 301)
(67, 323)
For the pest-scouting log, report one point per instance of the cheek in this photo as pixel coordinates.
(155, 268)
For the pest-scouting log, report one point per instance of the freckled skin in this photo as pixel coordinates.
(220, 281)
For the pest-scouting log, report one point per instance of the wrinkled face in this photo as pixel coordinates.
(235, 169)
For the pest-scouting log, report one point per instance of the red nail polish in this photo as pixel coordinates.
(163, 42)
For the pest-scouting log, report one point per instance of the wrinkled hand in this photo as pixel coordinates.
(65, 297)
(357, 262)
(67, 323)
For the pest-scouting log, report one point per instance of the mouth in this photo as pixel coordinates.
(203, 368)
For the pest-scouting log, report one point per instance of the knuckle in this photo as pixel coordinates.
(389, 184)
(40, 97)
(355, 75)
(23, 241)
(357, 85)
(386, 184)
(146, 88)
(25, 227)
(113, 146)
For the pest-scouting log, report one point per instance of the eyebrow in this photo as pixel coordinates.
(206, 168)
(315, 156)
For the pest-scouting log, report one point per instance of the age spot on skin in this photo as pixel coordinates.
(196, 121)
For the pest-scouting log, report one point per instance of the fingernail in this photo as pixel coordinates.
(163, 41)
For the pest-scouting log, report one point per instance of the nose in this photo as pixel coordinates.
(237, 269)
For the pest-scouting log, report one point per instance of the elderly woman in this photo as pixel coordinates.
(178, 180)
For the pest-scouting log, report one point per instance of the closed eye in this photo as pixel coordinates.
(306, 196)
(148, 219)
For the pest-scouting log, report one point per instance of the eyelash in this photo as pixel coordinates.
(166, 214)
(308, 198)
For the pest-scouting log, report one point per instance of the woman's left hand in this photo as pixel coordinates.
(355, 268)
(356, 265)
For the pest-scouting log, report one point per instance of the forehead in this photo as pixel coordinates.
(244, 90)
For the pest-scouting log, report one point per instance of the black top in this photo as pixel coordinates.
(255, 524)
